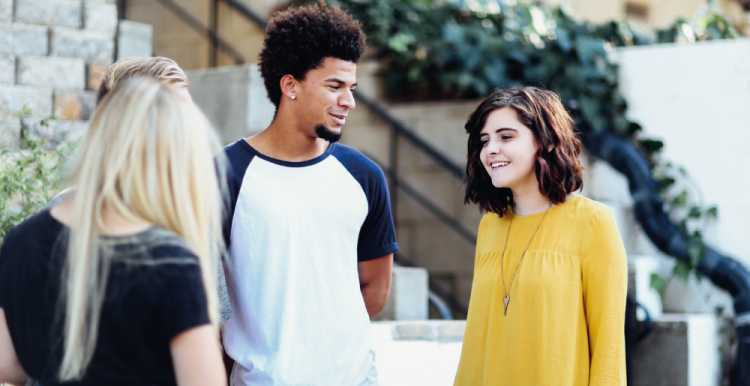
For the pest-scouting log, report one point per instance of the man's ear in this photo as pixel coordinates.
(288, 86)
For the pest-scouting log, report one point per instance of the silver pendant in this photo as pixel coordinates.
(506, 299)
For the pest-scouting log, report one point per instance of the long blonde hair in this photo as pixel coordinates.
(165, 70)
(148, 155)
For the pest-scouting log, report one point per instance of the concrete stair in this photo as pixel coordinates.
(53, 54)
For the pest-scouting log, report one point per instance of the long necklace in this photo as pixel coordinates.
(506, 299)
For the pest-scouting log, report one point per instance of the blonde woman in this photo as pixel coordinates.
(115, 286)
(164, 70)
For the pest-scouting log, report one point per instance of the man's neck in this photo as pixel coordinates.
(284, 140)
(529, 200)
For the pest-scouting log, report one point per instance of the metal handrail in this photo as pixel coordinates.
(207, 32)
(427, 204)
(247, 12)
(409, 134)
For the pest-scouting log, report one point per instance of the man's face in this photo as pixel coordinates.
(325, 97)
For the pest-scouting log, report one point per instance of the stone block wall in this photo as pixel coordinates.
(53, 54)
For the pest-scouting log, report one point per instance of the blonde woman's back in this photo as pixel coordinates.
(115, 285)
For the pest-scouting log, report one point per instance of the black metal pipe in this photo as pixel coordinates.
(412, 137)
(214, 38)
(724, 272)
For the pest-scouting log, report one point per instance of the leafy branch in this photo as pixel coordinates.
(29, 176)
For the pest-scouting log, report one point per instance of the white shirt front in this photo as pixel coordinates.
(296, 238)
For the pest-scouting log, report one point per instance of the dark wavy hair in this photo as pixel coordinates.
(298, 39)
(558, 168)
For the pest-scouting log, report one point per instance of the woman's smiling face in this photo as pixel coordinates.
(509, 151)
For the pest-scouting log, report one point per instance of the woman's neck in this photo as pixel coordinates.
(529, 201)
(115, 224)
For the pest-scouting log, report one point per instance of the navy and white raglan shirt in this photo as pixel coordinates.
(296, 232)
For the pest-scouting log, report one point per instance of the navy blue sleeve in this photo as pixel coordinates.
(377, 237)
(238, 158)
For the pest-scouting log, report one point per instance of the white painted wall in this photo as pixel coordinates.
(696, 98)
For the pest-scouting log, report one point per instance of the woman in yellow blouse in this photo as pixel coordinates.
(550, 274)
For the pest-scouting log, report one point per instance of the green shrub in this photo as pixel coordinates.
(29, 177)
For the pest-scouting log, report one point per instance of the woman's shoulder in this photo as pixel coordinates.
(154, 247)
(37, 230)
(584, 209)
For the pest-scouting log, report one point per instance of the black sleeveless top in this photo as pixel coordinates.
(154, 292)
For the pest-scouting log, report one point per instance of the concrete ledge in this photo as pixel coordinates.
(419, 330)
(417, 352)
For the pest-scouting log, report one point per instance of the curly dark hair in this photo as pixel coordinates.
(298, 39)
(558, 171)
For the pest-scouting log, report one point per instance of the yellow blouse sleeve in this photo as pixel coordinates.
(605, 286)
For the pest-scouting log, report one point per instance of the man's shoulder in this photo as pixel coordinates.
(237, 149)
(358, 164)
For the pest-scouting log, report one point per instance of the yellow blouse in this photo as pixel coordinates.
(566, 317)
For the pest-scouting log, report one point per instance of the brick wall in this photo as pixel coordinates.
(53, 54)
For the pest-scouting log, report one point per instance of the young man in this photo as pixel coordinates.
(310, 230)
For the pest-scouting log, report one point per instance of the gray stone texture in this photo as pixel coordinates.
(134, 40)
(23, 39)
(14, 97)
(10, 133)
(48, 71)
(7, 69)
(49, 12)
(74, 105)
(92, 46)
(56, 133)
(100, 16)
(6, 10)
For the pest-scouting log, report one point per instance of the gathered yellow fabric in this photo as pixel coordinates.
(566, 318)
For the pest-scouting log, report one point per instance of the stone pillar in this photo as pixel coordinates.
(409, 295)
